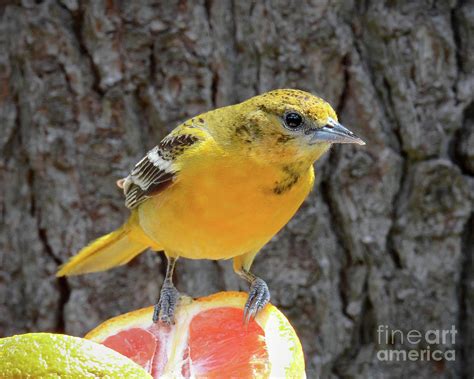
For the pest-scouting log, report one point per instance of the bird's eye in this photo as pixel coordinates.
(293, 120)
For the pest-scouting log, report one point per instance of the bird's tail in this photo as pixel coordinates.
(114, 249)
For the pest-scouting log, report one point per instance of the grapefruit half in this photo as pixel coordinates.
(208, 340)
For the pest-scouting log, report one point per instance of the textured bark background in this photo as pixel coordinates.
(386, 238)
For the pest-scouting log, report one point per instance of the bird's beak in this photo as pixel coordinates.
(333, 132)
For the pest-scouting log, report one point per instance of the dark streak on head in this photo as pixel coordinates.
(248, 134)
(256, 131)
(284, 138)
(242, 130)
(310, 131)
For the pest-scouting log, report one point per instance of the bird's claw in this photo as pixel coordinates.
(165, 308)
(259, 296)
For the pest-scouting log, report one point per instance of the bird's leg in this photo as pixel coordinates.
(259, 295)
(169, 296)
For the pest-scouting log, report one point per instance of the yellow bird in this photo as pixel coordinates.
(220, 186)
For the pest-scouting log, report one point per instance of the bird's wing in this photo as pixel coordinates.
(157, 170)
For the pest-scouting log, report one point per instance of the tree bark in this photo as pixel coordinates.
(385, 238)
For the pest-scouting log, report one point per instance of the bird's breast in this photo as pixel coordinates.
(223, 207)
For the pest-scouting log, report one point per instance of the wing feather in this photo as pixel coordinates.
(156, 171)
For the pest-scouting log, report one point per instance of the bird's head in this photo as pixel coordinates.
(289, 124)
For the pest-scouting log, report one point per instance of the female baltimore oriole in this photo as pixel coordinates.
(220, 186)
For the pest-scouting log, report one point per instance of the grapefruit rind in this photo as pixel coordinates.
(283, 346)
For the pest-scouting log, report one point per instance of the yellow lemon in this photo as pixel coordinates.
(47, 355)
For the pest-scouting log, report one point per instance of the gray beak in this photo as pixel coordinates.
(334, 132)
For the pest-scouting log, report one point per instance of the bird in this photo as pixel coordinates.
(220, 186)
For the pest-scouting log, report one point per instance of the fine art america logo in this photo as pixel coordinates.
(415, 345)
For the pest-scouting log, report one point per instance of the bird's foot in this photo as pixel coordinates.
(165, 308)
(259, 296)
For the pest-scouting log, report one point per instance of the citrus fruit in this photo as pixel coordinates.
(46, 355)
(208, 340)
